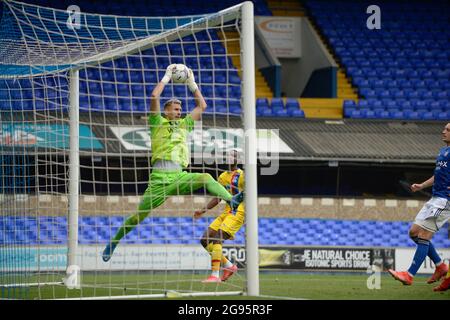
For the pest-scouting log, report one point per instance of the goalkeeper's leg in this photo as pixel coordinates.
(153, 198)
(190, 182)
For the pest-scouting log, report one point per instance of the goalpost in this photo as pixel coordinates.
(75, 150)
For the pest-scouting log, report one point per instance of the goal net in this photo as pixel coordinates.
(75, 151)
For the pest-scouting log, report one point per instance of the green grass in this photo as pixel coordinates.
(347, 287)
(321, 286)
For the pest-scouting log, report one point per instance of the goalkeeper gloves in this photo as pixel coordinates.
(168, 76)
(191, 81)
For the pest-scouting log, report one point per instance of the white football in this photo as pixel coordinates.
(180, 74)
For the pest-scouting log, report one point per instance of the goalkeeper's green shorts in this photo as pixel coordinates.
(164, 183)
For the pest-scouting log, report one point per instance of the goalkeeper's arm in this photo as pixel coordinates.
(200, 103)
(211, 204)
(156, 93)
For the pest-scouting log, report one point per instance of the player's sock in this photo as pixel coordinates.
(432, 253)
(419, 256)
(209, 247)
(236, 201)
(127, 226)
(415, 239)
(225, 262)
(216, 257)
(434, 256)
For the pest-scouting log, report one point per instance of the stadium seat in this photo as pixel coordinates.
(112, 78)
(405, 63)
(348, 112)
(443, 115)
(235, 110)
(277, 103)
(292, 103)
(262, 103)
(349, 103)
(296, 113)
(263, 112)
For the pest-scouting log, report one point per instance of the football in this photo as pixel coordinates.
(180, 73)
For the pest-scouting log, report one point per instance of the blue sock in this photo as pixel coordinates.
(432, 253)
(434, 256)
(419, 256)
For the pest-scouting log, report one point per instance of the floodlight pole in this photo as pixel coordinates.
(251, 186)
(72, 280)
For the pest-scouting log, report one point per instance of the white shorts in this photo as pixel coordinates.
(434, 214)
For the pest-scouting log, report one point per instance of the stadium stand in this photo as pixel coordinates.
(402, 71)
(51, 230)
(127, 91)
(316, 221)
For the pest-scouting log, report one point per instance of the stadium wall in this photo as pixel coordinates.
(296, 73)
(194, 257)
(278, 207)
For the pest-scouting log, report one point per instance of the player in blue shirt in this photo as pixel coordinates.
(433, 215)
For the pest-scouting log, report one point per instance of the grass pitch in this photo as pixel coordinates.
(315, 286)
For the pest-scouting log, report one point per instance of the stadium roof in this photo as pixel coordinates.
(353, 140)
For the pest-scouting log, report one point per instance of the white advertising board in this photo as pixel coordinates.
(200, 141)
(282, 35)
(404, 257)
(126, 257)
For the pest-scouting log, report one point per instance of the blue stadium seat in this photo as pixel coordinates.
(348, 112)
(235, 110)
(220, 91)
(277, 103)
(262, 103)
(404, 63)
(358, 114)
(296, 113)
(292, 103)
(443, 115)
(263, 112)
(349, 103)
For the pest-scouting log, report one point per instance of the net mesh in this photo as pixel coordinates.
(119, 60)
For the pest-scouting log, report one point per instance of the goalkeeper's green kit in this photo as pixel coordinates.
(169, 147)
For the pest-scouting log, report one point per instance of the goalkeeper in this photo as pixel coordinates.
(170, 156)
(226, 225)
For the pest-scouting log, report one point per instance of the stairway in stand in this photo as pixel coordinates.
(230, 40)
(286, 8)
(329, 108)
(317, 107)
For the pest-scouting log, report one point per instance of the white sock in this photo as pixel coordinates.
(215, 273)
(228, 264)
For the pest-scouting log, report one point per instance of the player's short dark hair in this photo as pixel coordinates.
(170, 101)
